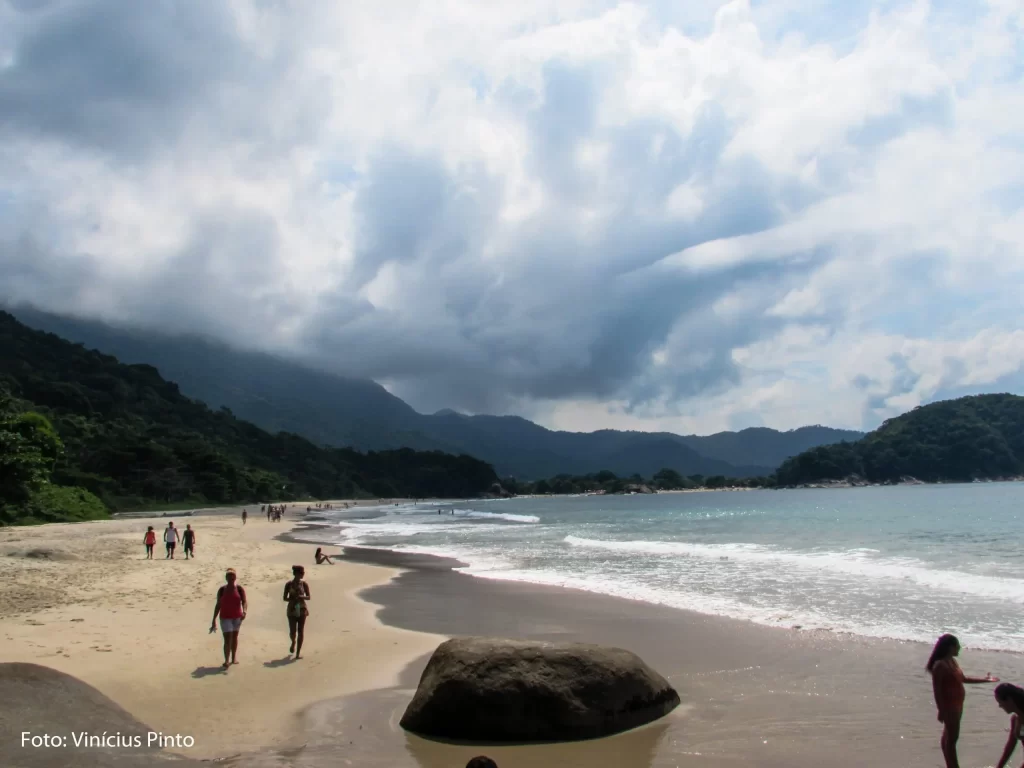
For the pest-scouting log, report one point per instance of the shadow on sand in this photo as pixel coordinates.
(199, 672)
(278, 662)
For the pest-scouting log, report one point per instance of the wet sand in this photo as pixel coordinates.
(752, 695)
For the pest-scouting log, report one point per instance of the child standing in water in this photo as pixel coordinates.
(948, 687)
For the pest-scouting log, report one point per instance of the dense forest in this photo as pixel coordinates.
(279, 394)
(606, 481)
(81, 434)
(972, 438)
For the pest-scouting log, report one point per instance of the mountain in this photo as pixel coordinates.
(766, 447)
(980, 437)
(81, 420)
(280, 394)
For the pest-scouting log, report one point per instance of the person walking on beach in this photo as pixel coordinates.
(1010, 699)
(948, 682)
(231, 606)
(170, 540)
(188, 541)
(321, 558)
(296, 594)
(150, 541)
(245, 515)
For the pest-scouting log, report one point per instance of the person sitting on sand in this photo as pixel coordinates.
(188, 541)
(296, 593)
(232, 606)
(150, 541)
(481, 762)
(1010, 699)
(170, 540)
(948, 687)
(321, 558)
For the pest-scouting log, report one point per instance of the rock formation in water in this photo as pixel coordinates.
(485, 689)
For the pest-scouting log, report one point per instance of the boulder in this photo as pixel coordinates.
(46, 702)
(494, 690)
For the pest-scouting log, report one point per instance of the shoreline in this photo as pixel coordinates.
(752, 694)
(424, 561)
(772, 695)
(82, 599)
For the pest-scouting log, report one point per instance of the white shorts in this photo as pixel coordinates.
(230, 625)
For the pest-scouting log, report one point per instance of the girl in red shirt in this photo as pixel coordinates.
(150, 541)
(948, 687)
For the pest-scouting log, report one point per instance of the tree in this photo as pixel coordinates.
(668, 478)
(24, 466)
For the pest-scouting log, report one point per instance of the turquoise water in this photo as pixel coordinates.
(905, 562)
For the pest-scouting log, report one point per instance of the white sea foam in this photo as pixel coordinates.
(508, 516)
(851, 563)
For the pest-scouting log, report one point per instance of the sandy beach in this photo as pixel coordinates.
(84, 600)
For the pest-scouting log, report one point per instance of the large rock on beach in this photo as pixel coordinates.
(493, 690)
(46, 703)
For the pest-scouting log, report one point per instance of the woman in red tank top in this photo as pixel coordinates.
(231, 606)
(150, 541)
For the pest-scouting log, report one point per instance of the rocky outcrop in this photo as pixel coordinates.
(638, 488)
(45, 702)
(486, 689)
(496, 491)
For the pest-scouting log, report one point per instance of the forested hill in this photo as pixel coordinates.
(278, 394)
(978, 437)
(75, 418)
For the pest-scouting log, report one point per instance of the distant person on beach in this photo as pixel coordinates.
(150, 541)
(481, 762)
(170, 540)
(948, 682)
(231, 606)
(245, 516)
(296, 593)
(321, 558)
(188, 541)
(1010, 699)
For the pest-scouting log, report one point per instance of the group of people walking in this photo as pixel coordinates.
(171, 536)
(274, 511)
(948, 681)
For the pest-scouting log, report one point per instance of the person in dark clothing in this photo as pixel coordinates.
(188, 541)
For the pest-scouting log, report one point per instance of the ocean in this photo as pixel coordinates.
(903, 562)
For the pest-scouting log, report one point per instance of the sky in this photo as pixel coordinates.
(660, 216)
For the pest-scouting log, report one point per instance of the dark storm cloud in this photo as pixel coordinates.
(428, 282)
(116, 75)
(572, 313)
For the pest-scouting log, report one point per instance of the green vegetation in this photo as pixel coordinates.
(979, 437)
(80, 431)
(606, 481)
(278, 394)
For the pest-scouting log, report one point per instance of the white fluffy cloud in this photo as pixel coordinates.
(691, 216)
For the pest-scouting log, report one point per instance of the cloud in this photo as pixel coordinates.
(674, 216)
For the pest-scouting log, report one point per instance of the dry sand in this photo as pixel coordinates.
(83, 599)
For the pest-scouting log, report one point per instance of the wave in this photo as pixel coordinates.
(858, 562)
(507, 516)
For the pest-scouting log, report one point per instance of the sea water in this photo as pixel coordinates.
(905, 562)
